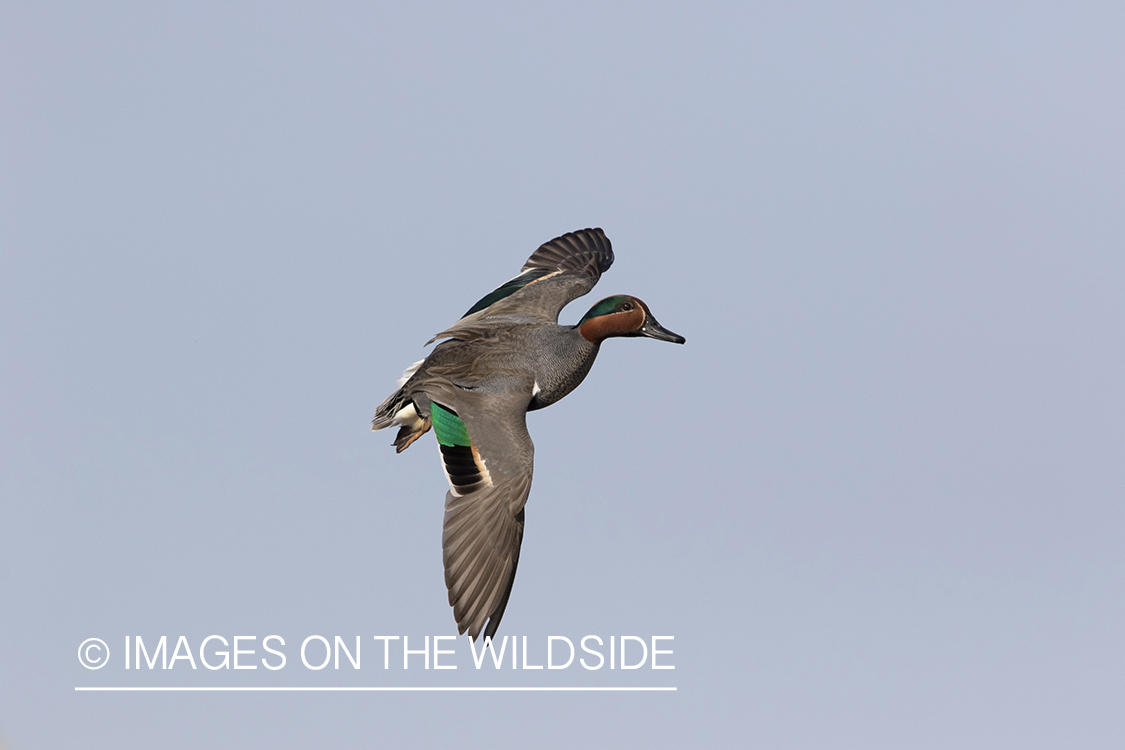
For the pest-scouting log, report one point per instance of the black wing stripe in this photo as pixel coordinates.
(462, 469)
(508, 288)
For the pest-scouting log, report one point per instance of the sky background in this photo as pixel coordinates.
(877, 497)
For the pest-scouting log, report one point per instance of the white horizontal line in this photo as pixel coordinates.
(367, 689)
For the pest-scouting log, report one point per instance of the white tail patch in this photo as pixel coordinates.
(409, 371)
(407, 416)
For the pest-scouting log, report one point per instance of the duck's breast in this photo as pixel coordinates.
(559, 358)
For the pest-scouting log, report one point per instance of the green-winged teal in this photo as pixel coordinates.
(507, 356)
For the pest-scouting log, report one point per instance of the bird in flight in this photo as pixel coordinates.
(506, 356)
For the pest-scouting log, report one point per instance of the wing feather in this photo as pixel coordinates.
(558, 272)
(480, 565)
(483, 526)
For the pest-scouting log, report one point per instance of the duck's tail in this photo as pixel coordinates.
(400, 411)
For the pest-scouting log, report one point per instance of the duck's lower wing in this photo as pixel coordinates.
(481, 550)
(487, 455)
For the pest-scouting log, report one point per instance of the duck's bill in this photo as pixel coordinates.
(654, 330)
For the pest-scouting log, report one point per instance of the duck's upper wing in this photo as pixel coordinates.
(487, 455)
(559, 271)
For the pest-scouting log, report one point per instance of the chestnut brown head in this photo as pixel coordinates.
(622, 315)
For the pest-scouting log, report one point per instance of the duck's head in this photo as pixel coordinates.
(622, 315)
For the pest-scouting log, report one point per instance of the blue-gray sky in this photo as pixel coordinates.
(877, 498)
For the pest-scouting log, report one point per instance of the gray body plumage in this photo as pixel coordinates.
(555, 358)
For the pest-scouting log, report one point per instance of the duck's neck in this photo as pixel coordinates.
(569, 360)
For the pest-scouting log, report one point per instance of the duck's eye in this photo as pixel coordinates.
(626, 306)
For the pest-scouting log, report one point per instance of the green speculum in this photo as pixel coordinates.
(448, 427)
(508, 289)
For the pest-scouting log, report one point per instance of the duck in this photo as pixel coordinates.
(507, 356)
